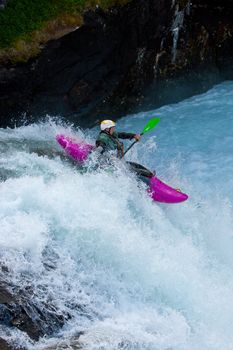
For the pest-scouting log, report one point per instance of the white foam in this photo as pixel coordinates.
(133, 274)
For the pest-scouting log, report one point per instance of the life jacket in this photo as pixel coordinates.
(110, 142)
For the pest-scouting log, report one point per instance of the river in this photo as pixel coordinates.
(132, 274)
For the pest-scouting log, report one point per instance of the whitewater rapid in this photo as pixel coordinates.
(132, 274)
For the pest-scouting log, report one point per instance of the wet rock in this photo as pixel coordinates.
(4, 345)
(3, 4)
(18, 310)
(5, 296)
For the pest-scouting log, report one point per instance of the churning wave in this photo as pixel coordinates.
(127, 272)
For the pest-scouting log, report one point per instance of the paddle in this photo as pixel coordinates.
(149, 126)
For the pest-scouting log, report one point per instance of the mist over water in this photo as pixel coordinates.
(131, 273)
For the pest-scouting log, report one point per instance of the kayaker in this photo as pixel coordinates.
(108, 138)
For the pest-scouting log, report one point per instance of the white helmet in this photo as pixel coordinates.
(106, 124)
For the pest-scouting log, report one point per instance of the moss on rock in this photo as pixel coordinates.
(26, 25)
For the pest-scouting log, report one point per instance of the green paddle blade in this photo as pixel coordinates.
(150, 125)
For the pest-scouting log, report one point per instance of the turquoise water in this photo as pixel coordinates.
(133, 274)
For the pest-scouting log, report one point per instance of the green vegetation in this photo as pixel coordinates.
(182, 3)
(21, 20)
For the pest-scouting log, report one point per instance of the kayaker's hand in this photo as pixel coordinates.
(137, 137)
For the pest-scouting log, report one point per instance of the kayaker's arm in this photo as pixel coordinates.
(127, 135)
(100, 146)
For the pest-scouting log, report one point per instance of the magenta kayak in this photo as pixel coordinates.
(78, 151)
(158, 190)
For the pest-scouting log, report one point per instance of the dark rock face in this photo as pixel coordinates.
(124, 60)
(4, 345)
(18, 310)
(3, 4)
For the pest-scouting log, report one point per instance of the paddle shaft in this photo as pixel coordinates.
(149, 126)
(130, 146)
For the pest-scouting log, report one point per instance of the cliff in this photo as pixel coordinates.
(121, 60)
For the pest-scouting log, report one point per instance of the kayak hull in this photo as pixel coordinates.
(78, 151)
(161, 192)
(158, 190)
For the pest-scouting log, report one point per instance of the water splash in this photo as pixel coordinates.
(132, 274)
(176, 26)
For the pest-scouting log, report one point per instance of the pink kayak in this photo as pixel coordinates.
(78, 151)
(158, 190)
